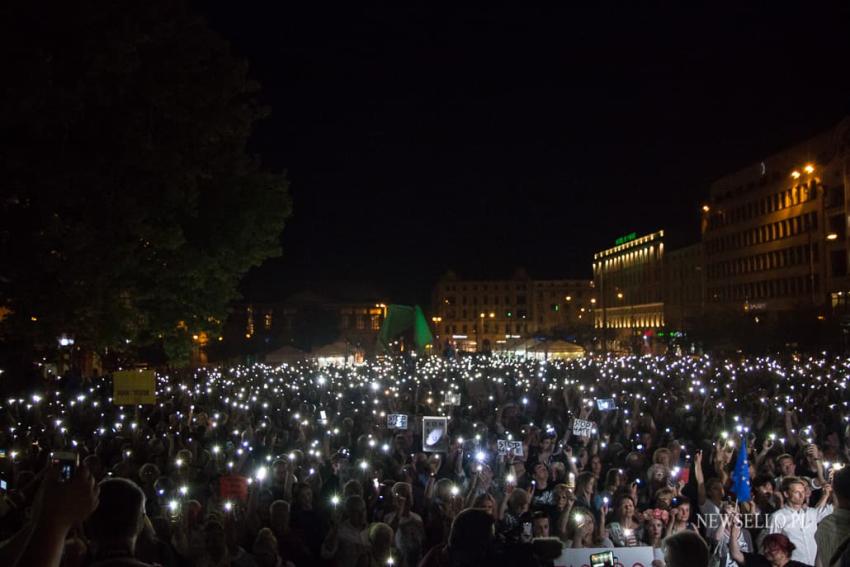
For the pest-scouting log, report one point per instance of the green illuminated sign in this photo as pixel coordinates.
(627, 238)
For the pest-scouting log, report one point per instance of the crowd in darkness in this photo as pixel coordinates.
(302, 465)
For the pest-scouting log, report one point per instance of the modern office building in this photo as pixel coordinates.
(775, 232)
(629, 279)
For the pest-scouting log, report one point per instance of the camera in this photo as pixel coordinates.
(68, 463)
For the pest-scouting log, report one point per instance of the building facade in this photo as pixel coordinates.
(485, 315)
(629, 278)
(684, 288)
(306, 320)
(775, 233)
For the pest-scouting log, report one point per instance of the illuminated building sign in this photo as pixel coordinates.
(627, 238)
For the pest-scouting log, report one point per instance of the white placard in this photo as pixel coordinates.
(514, 446)
(582, 428)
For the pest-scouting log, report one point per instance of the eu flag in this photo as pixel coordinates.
(741, 474)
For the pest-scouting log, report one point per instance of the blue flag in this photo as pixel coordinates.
(741, 474)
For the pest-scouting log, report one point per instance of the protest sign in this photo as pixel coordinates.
(435, 434)
(131, 387)
(514, 446)
(623, 556)
(397, 421)
(582, 428)
(452, 399)
(233, 488)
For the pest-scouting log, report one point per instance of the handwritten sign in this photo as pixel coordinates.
(233, 488)
(582, 428)
(397, 421)
(131, 387)
(623, 556)
(452, 399)
(504, 446)
(435, 434)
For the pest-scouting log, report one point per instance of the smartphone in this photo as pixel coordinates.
(602, 559)
(4, 487)
(606, 404)
(685, 475)
(324, 415)
(526, 531)
(68, 463)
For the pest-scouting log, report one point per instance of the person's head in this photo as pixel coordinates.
(786, 465)
(304, 496)
(624, 507)
(380, 537)
(120, 515)
(215, 541)
(561, 496)
(265, 549)
(655, 529)
(777, 547)
(714, 489)
(541, 474)
(795, 491)
(352, 488)
(470, 536)
(518, 502)
(279, 516)
(661, 457)
(841, 487)
(148, 474)
(763, 485)
(596, 465)
(355, 510)
(485, 502)
(657, 474)
(682, 509)
(685, 549)
(280, 468)
(585, 483)
(613, 479)
(664, 498)
(402, 493)
(540, 524)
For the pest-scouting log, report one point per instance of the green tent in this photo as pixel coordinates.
(399, 319)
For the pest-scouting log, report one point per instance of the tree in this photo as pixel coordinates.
(131, 207)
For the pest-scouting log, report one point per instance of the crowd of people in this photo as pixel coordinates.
(705, 461)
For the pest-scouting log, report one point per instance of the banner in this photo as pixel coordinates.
(623, 556)
(131, 387)
(233, 488)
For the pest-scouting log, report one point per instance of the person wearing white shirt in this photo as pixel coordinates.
(797, 521)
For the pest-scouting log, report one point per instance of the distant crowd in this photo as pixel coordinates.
(432, 462)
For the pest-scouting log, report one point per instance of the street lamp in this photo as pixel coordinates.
(832, 236)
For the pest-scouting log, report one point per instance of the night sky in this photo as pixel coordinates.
(418, 140)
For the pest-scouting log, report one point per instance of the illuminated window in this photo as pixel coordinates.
(249, 328)
(267, 321)
(376, 323)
